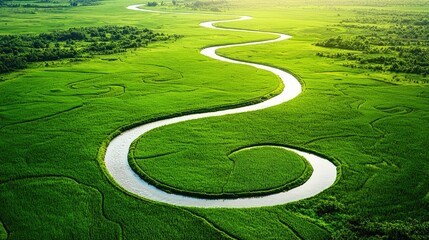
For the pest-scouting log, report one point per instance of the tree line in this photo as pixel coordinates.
(395, 42)
(17, 51)
(47, 3)
(212, 5)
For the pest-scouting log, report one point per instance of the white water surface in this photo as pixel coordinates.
(116, 158)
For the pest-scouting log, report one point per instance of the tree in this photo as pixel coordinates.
(73, 3)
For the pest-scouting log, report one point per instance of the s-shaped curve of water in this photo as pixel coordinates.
(116, 157)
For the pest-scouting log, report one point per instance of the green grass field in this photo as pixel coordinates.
(55, 117)
(258, 170)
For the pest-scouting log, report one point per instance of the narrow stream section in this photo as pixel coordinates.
(116, 158)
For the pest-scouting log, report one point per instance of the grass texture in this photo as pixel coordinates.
(253, 171)
(55, 119)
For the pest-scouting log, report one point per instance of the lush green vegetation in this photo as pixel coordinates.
(152, 4)
(16, 51)
(258, 170)
(387, 41)
(3, 232)
(54, 119)
(265, 167)
(211, 6)
(215, 6)
(45, 3)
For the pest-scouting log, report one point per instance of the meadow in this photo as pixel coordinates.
(55, 119)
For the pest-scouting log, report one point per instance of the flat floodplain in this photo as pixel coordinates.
(373, 123)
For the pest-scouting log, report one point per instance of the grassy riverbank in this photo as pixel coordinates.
(55, 116)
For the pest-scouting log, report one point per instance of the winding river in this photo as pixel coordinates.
(116, 158)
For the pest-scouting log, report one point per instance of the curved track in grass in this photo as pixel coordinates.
(116, 158)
